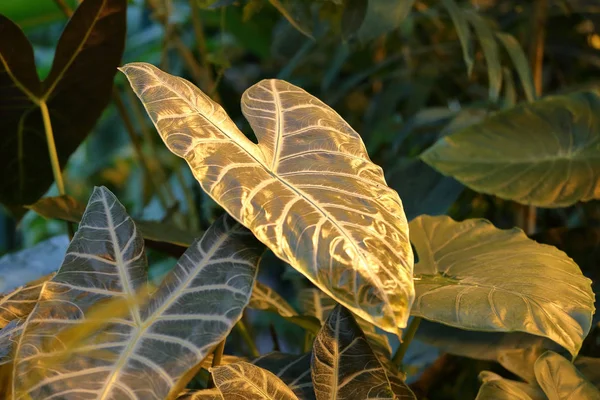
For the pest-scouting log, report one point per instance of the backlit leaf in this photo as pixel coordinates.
(265, 298)
(246, 381)
(76, 91)
(560, 380)
(293, 370)
(495, 387)
(142, 346)
(544, 153)
(474, 276)
(308, 190)
(8, 334)
(343, 364)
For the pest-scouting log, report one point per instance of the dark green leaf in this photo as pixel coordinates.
(383, 16)
(76, 91)
(292, 369)
(519, 60)
(353, 16)
(298, 14)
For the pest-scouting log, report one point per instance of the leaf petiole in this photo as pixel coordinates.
(406, 339)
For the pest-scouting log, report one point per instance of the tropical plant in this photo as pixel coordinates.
(169, 307)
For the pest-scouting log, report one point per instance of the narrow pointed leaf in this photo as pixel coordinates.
(519, 60)
(383, 17)
(76, 91)
(464, 32)
(265, 298)
(343, 364)
(243, 380)
(297, 13)
(308, 190)
(144, 345)
(560, 380)
(590, 368)
(544, 153)
(293, 370)
(474, 276)
(495, 387)
(30, 264)
(490, 51)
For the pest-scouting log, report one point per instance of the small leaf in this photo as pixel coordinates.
(246, 381)
(69, 209)
(76, 91)
(560, 380)
(474, 276)
(490, 51)
(543, 153)
(293, 370)
(343, 364)
(85, 335)
(308, 190)
(519, 60)
(30, 264)
(382, 17)
(495, 387)
(265, 298)
(464, 32)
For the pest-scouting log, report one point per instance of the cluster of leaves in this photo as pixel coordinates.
(108, 326)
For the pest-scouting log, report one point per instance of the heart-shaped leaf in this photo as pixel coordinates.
(560, 380)
(243, 380)
(75, 92)
(343, 364)
(474, 276)
(543, 153)
(293, 370)
(140, 346)
(308, 190)
(265, 298)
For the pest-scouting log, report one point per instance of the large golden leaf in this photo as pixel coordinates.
(308, 190)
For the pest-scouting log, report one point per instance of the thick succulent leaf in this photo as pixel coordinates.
(495, 387)
(207, 394)
(69, 209)
(474, 276)
(544, 153)
(243, 380)
(265, 298)
(28, 265)
(292, 369)
(76, 91)
(17, 304)
(308, 190)
(343, 364)
(146, 351)
(560, 380)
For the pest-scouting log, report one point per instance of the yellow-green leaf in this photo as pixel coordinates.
(545, 153)
(560, 380)
(265, 298)
(474, 276)
(308, 190)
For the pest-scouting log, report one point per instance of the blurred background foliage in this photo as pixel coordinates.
(402, 73)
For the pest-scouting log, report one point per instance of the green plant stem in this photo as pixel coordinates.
(216, 361)
(243, 330)
(406, 339)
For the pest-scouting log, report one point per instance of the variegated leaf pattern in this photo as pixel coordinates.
(144, 352)
(292, 369)
(315, 303)
(243, 380)
(17, 304)
(206, 394)
(343, 364)
(7, 337)
(225, 359)
(473, 276)
(265, 298)
(308, 190)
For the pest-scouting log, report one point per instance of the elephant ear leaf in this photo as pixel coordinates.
(473, 276)
(74, 94)
(308, 190)
(560, 380)
(87, 337)
(344, 365)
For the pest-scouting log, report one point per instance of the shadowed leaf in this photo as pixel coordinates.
(143, 345)
(545, 153)
(464, 32)
(292, 369)
(265, 298)
(560, 380)
(490, 51)
(207, 394)
(474, 276)
(308, 190)
(18, 304)
(495, 387)
(76, 91)
(383, 17)
(519, 60)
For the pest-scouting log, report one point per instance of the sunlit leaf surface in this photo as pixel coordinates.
(545, 153)
(18, 304)
(343, 364)
(246, 381)
(265, 298)
(472, 275)
(207, 394)
(293, 370)
(8, 335)
(308, 190)
(495, 387)
(144, 350)
(76, 91)
(560, 380)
